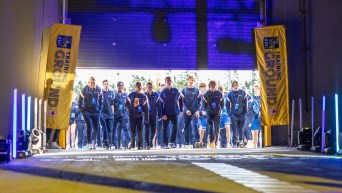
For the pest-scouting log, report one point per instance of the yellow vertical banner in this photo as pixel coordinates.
(272, 66)
(60, 74)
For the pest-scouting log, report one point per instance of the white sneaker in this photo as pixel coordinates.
(90, 146)
(250, 144)
(54, 145)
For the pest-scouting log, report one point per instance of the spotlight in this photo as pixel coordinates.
(304, 139)
(5, 150)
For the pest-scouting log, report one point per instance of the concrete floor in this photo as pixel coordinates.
(275, 169)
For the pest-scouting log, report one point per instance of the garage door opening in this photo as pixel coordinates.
(246, 78)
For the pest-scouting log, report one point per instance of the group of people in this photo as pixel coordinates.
(199, 117)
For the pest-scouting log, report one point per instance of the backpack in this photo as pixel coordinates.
(238, 105)
(137, 104)
(214, 104)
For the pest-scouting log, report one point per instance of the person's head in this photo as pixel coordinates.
(105, 84)
(191, 81)
(149, 86)
(138, 86)
(235, 85)
(161, 86)
(91, 82)
(220, 88)
(212, 85)
(120, 86)
(256, 90)
(202, 87)
(168, 82)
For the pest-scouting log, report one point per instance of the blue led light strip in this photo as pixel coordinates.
(323, 125)
(14, 149)
(28, 127)
(23, 112)
(337, 124)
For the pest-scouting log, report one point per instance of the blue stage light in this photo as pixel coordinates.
(14, 149)
(323, 125)
(23, 105)
(28, 127)
(337, 124)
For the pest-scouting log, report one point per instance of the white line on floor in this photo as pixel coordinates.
(250, 179)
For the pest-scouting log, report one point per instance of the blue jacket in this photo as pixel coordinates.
(250, 112)
(108, 102)
(121, 105)
(90, 100)
(138, 105)
(224, 110)
(73, 112)
(153, 101)
(192, 99)
(213, 102)
(171, 102)
(237, 104)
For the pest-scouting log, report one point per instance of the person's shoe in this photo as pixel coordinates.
(212, 145)
(197, 145)
(204, 145)
(241, 144)
(249, 144)
(131, 146)
(148, 147)
(140, 148)
(91, 146)
(201, 145)
(67, 147)
(54, 145)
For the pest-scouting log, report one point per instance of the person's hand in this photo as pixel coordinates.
(188, 112)
(197, 114)
(204, 113)
(164, 117)
(180, 113)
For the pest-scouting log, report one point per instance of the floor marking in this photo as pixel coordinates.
(253, 180)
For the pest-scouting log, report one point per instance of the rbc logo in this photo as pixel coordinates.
(271, 42)
(64, 41)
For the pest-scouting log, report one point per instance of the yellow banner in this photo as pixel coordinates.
(60, 74)
(272, 66)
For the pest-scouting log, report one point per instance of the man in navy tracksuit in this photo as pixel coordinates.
(121, 104)
(213, 103)
(237, 108)
(90, 104)
(150, 127)
(107, 114)
(138, 108)
(171, 104)
(192, 101)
